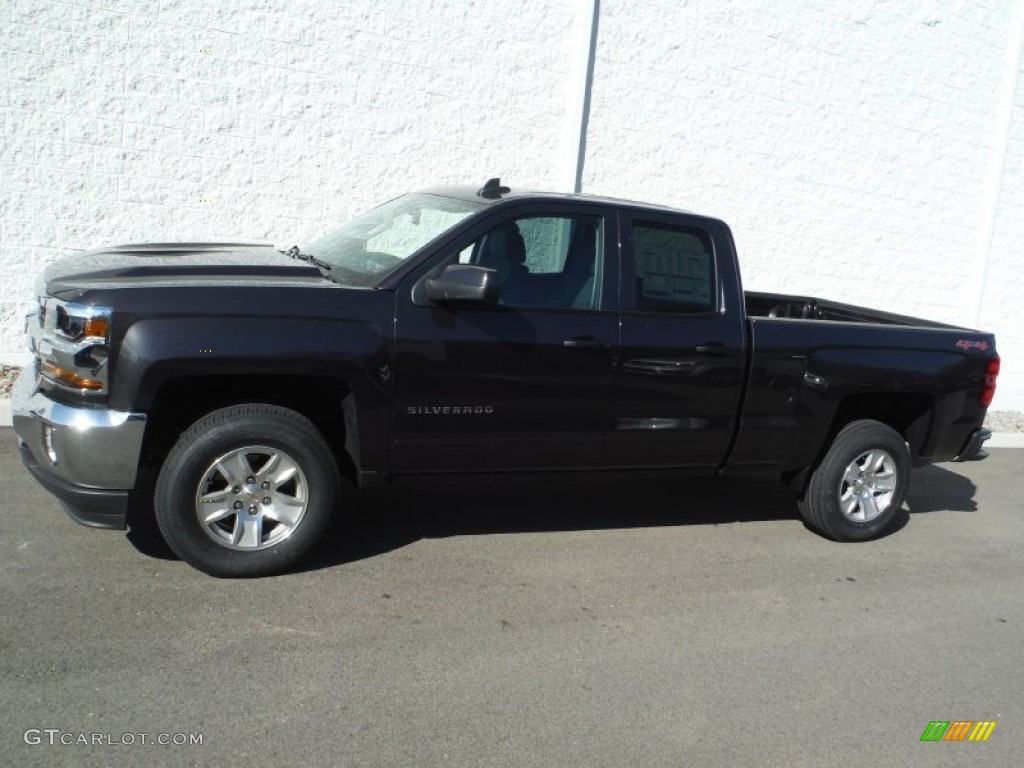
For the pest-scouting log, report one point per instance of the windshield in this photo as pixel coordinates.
(372, 245)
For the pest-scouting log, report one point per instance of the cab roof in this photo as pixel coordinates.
(493, 193)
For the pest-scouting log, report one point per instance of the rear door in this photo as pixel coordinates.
(525, 385)
(682, 342)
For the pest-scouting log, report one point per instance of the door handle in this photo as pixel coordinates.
(713, 348)
(586, 342)
(658, 366)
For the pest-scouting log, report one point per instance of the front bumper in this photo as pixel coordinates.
(86, 457)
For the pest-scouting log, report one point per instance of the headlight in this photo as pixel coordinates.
(78, 322)
(73, 345)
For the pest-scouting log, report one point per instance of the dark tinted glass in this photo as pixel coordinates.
(674, 269)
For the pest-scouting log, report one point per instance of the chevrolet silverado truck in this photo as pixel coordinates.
(462, 330)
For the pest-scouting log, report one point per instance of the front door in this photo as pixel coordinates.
(525, 384)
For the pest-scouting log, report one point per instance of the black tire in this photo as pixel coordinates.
(866, 471)
(280, 519)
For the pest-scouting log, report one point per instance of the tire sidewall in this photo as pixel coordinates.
(851, 442)
(188, 462)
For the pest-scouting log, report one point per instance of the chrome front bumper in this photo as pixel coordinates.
(87, 457)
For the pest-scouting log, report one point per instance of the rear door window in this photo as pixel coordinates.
(675, 269)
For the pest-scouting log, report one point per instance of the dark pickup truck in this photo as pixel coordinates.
(463, 330)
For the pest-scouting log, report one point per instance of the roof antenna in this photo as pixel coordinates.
(492, 189)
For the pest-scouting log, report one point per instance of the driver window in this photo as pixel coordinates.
(544, 261)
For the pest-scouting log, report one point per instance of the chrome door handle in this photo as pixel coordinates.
(714, 348)
(586, 342)
(658, 366)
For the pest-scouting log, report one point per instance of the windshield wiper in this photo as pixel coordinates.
(295, 253)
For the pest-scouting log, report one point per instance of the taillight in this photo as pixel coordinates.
(991, 374)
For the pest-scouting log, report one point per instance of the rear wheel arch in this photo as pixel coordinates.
(910, 414)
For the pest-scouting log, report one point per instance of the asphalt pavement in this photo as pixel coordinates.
(541, 623)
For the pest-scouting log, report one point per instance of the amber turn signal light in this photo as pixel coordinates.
(70, 377)
(96, 327)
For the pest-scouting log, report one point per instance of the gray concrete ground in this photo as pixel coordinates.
(664, 623)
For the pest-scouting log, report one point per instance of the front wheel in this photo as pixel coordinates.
(246, 491)
(857, 491)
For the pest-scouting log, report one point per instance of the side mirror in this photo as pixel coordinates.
(465, 283)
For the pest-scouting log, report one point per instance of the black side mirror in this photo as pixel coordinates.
(465, 283)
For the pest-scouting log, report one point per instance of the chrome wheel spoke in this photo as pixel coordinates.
(284, 471)
(869, 507)
(885, 481)
(848, 502)
(248, 533)
(216, 497)
(234, 467)
(852, 474)
(873, 460)
(217, 513)
(285, 510)
(215, 506)
(269, 466)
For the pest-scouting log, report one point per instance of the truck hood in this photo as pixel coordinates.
(176, 264)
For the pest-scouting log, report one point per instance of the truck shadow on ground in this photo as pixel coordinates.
(935, 489)
(382, 520)
(387, 519)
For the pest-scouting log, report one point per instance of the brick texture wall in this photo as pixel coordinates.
(1002, 305)
(847, 144)
(850, 145)
(132, 120)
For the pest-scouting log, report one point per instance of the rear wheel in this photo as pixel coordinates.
(247, 491)
(857, 491)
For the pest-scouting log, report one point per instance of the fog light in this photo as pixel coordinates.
(51, 450)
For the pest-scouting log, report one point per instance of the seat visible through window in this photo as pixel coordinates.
(545, 261)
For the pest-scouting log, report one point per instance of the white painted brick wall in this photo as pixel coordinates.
(1003, 297)
(121, 117)
(848, 144)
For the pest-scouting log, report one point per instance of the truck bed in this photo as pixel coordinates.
(812, 358)
(780, 305)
